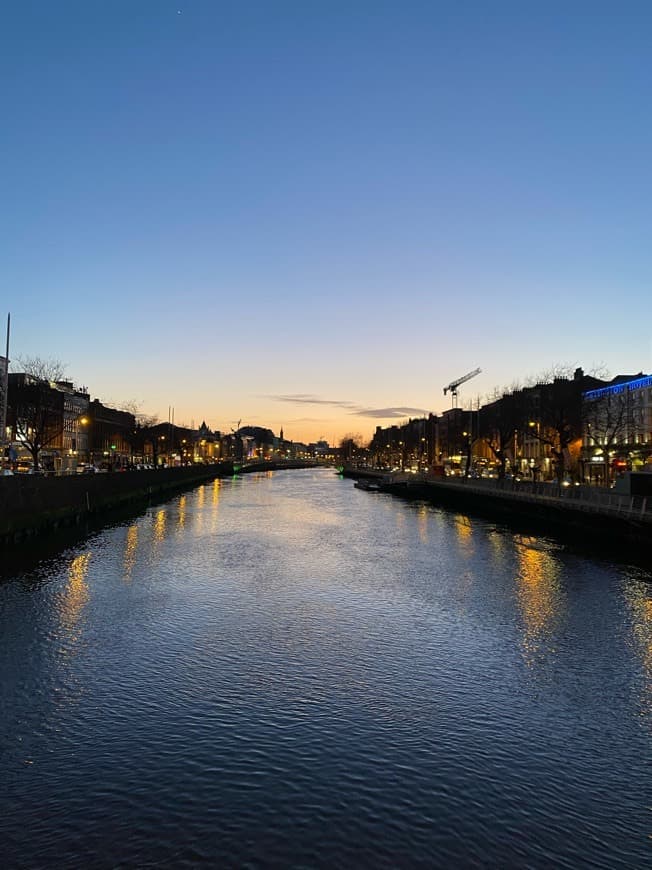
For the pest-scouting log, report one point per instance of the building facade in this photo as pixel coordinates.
(617, 432)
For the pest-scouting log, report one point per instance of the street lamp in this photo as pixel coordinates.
(535, 453)
(84, 421)
(468, 445)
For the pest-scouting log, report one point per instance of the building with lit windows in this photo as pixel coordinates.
(617, 431)
(75, 437)
(111, 435)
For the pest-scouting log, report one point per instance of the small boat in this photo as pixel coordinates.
(367, 485)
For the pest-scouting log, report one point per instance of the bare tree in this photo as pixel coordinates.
(557, 371)
(44, 369)
(144, 431)
(494, 395)
(143, 420)
(609, 417)
(500, 423)
(36, 410)
(557, 412)
(351, 445)
(600, 371)
(36, 414)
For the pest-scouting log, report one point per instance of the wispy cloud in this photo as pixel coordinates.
(392, 413)
(307, 399)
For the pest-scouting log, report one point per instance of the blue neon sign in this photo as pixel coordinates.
(615, 389)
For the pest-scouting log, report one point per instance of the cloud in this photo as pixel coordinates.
(393, 413)
(307, 399)
(390, 413)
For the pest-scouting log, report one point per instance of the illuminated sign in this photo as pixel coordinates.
(615, 389)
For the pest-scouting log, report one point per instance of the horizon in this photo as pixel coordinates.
(398, 420)
(316, 219)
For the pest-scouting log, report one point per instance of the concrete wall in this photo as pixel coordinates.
(32, 503)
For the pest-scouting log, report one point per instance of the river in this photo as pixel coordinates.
(281, 670)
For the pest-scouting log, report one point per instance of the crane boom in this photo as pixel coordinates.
(455, 384)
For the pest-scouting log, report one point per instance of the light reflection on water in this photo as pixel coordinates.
(540, 601)
(281, 670)
(423, 523)
(131, 546)
(159, 525)
(75, 596)
(639, 602)
(464, 530)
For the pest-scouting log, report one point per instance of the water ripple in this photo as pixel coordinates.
(283, 671)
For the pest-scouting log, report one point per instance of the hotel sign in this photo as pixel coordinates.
(615, 389)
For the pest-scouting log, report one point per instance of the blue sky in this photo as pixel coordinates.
(309, 214)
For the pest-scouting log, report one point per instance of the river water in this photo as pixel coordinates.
(284, 671)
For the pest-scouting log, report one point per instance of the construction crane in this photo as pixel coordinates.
(455, 384)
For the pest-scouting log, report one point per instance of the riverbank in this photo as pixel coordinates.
(600, 517)
(33, 505)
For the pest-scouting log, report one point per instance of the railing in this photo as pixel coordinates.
(582, 498)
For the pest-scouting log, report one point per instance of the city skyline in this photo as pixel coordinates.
(316, 219)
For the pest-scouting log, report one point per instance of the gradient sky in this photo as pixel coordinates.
(315, 215)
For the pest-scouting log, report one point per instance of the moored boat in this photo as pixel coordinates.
(367, 484)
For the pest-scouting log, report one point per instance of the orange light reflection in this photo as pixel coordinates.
(464, 530)
(131, 545)
(159, 526)
(640, 608)
(422, 523)
(181, 520)
(75, 595)
(540, 601)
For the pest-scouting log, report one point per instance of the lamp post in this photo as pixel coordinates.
(535, 463)
(468, 445)
(86, 447)
(4, 374)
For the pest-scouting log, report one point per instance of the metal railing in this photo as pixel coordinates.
(589, 499)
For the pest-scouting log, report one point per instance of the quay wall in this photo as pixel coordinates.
(599, 518)
(30, 504)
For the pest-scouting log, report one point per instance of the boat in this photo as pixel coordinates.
(367, 485)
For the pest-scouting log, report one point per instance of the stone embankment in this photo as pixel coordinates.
(32, 504)
(598, 516)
